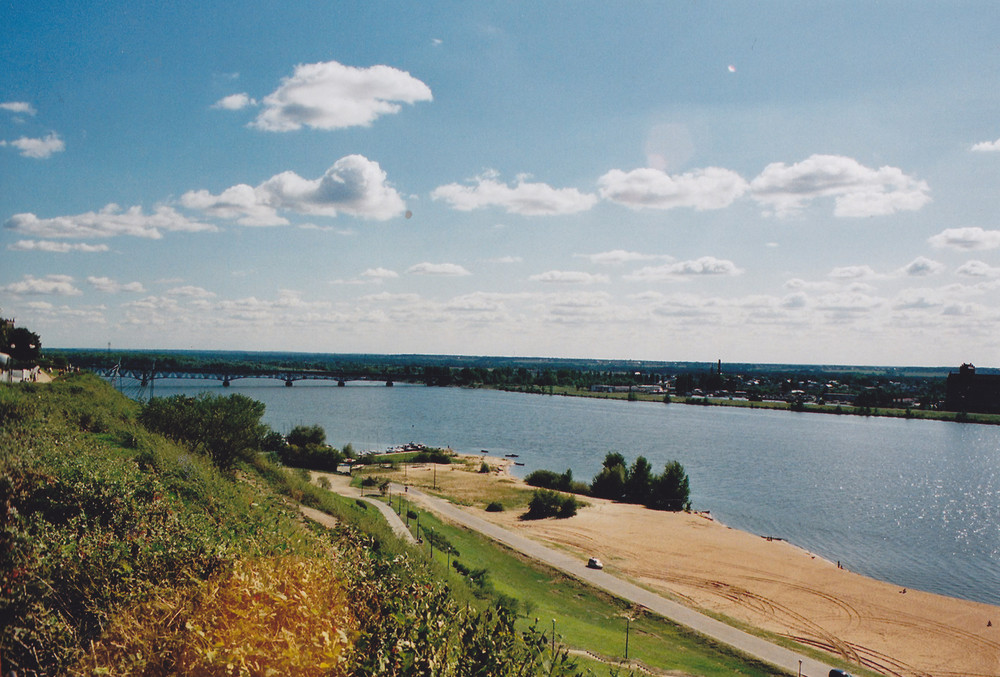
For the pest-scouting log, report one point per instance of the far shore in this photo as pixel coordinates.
(760, 582)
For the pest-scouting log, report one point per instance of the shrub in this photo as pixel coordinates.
(545, 503)
(494, 506)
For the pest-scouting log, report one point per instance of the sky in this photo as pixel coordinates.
(778, 182)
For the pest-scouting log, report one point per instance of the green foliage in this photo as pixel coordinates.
(671, 490)
(93, 527)
(305, 435)
(638, 484)
(21, 344)
(494, 506)
(545, 503)
(547, 479)
(226, 429)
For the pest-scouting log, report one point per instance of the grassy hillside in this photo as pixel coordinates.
(126, 553)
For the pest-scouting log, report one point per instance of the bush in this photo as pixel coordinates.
(494, 506)
(545, 503)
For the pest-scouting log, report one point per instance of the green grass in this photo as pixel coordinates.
(584, 617)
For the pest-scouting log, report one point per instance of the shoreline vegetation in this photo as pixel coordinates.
(131, 551)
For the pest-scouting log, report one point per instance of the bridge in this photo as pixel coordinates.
(146, 376)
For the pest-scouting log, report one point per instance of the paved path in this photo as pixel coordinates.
(341, 484)
(752, 645)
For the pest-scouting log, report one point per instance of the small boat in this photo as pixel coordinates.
(518, 463)
(511, 455)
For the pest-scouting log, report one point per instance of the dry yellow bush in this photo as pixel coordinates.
(278, 616)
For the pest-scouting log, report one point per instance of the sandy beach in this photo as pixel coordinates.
(763, 583)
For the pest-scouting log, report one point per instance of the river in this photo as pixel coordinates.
(916, 503)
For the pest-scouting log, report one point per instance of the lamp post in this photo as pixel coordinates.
(628, 621)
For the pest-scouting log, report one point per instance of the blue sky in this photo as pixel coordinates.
(757, 182)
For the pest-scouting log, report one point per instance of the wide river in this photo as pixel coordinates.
(913, 502)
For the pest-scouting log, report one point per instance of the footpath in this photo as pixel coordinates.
(761, 649)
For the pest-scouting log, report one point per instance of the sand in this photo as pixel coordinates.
(771, 584)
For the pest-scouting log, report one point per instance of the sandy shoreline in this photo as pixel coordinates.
(773, 585)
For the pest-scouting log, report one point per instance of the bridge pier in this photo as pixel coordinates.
(288, 382)
(341, 383)
(225, 382)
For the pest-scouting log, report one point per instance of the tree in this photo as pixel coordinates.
(304, 435)
(23, 345)
(638, 481)
(610, 481)
(671, 490)
(224, 428)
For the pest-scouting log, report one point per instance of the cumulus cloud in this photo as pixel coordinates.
(235, 102)
(704, 266)
(619, 256)
(709, 188)
(530, 199)
(853, 273)
(330, 95)
(353, 184)
(380, 274)
(966, 238)
(22, 107)
(106, 284)
(55, 247)
(191, 292)
(987, 146)
(978, 269)
(58, 285)
(921, 267)
(440, 269)
(108, 222)
(569, 277)
(38, 149)
(857, 190)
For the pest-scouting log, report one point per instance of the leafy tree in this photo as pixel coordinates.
(610, 481)
(304, 435)
(226, 429)
(545, 503)
(671, 490)
(23, 345)
(638, 481)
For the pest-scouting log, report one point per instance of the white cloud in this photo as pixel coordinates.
(507, 259)
(853, 273)
(966, 238)
(921, 267)
(107, 285)
(59, 285)
(857, 190)
(987, 146)
(109, 222)
(234, 102)
(442, 269)
(848, 303)
(18, 107)
(38, 149)
(380, 274)
(191, 292)
(977, 269)
(569, 277)
(353, 184)
(330, 95)
(530, 199)
(706, 265)
(55, 247)
(709, 188)
(619, 256)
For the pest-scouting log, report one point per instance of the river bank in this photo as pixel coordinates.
(763, 583)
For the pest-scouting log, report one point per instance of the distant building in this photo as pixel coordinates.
(971, 392)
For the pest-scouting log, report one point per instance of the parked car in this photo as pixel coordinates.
(839, 673)
(595, 563)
